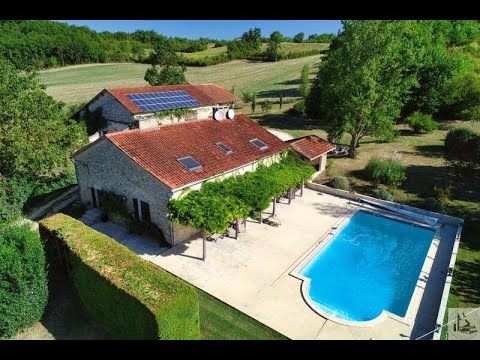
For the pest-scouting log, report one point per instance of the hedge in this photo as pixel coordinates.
(23, 279)
(340, 182)
(131, 297)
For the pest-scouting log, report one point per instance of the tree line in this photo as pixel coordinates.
(38, 44)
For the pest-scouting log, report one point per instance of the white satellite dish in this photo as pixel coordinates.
(219, 115)
(230, 114)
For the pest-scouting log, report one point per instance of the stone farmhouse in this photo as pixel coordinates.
(150, 166)
(148, 107)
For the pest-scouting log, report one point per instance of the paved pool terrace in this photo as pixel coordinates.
(256, 273)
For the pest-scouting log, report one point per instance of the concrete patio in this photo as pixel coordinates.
(252, 273)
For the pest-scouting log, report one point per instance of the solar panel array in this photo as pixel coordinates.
(155, 101)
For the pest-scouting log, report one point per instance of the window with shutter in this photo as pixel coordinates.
(135, 208)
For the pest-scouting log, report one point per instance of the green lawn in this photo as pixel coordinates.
(219, 321)
(81, 83)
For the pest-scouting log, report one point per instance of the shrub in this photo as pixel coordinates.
(390, 135)
(382, 194)
(114, 204)
(23, 279)
(472, 113)
(14, 193)
(457, 139)
(442, 193)
(300, 108)
(340, 182)
(330, 166)
(434, 205)
(54, 183)
(267, 106)
(246, 97)
(421, 122)
(131, 297)
(385, 171)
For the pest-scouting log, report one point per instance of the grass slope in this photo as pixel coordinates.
(219, 321)
(211, 51)
(80, 83)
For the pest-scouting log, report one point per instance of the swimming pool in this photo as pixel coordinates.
(372, 264)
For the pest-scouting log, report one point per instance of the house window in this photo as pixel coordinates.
(190, 163)
(93, 192)
(141, 210)
(259, 144)
(224, 148)
(135, 209)
(101, 197)
(145, 207)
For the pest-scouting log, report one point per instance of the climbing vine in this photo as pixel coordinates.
(219, 203)
(172, 113)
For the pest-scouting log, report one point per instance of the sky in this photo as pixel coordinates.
(216, 29)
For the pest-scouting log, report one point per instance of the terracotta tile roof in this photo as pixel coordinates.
(206, 94)
(157, 150)
(310, 146)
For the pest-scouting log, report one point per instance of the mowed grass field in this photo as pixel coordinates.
(285, 47)
(211, 51)
(76, 84)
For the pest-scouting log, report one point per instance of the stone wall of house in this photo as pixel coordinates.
(111, 108)
(105, 167)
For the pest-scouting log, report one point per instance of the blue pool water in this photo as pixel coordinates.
(372, 263)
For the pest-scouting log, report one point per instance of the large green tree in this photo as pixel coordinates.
(299, 37)
(362, 85)
(274, 46)
(36, 136)
(165, 69)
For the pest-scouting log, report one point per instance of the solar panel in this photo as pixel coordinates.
(259, 144)
(224, 147)
(190, 163)
(154, 101)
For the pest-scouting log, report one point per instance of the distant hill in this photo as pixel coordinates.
(38, 44)
(42, 44)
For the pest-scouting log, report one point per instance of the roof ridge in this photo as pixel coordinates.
(155, 86)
